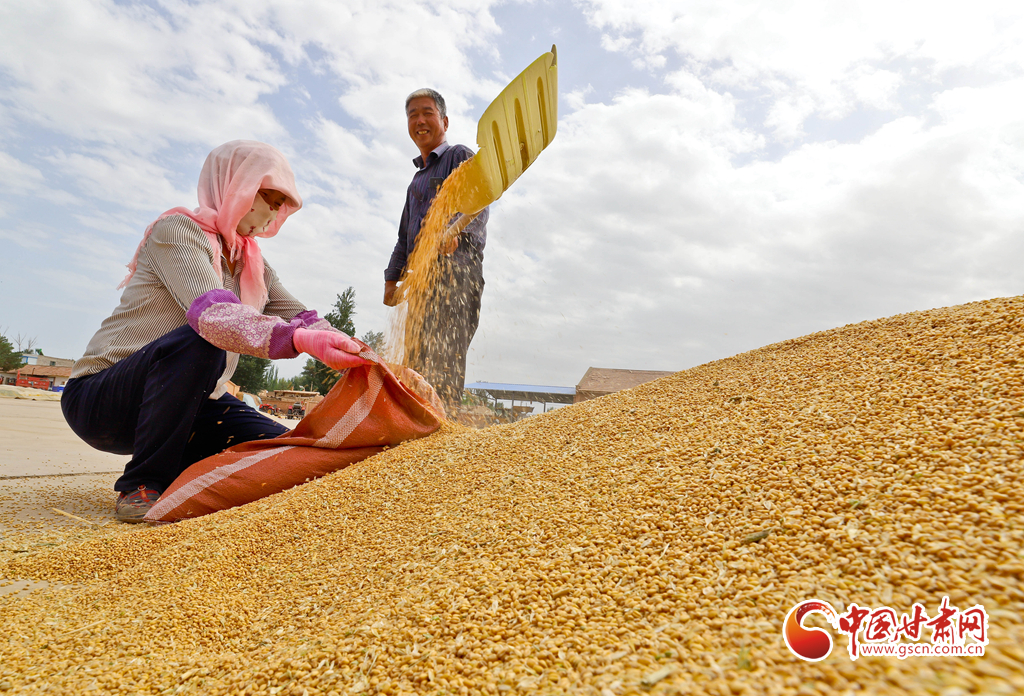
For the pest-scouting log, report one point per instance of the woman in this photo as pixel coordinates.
(198, 292)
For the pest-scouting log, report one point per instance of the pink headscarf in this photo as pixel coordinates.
(231, 177)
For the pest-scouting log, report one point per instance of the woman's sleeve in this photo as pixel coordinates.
(222, 319)
(280, 302)
(181, 256)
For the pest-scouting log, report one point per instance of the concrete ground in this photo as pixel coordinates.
(52, 485)
(48, 476)
(54, 488)
(44, 467)
(35, 441)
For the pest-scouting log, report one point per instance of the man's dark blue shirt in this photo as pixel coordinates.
(440, 163)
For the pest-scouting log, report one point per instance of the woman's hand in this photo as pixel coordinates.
(336, 350)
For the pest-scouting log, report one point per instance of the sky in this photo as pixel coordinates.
(725, 174)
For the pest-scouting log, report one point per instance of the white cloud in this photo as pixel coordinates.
(134, 75)
(769, 171)
(120, 177)
(825, 58)
(382, 51)
(637, 241)
(876, 88)
(20, 179)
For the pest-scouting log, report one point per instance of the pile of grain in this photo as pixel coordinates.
(606, 548)
(10, 392)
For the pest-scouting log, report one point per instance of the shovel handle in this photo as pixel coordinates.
(456, 227)
(449, 235)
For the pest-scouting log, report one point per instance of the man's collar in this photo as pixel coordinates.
(439, 150)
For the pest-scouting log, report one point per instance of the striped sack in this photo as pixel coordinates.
(368, 410)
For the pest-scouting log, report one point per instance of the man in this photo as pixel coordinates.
(453, 310)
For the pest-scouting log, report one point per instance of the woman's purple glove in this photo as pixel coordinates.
(336, 350)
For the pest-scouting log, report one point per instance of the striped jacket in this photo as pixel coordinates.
(175, 268)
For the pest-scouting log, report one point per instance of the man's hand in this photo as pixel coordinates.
(390, 290)
(449, 244)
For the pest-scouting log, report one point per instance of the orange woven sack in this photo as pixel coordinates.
(367, 410)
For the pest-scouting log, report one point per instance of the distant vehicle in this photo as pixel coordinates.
(296, 411)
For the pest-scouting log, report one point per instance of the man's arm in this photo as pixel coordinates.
(451, 236)
(474, 227)
(393, 273)
(390, 288)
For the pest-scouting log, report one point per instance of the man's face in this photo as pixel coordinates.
(426, 127)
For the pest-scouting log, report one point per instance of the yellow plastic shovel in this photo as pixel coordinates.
(512, 132)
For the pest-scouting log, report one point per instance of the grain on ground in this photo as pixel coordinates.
(605, 548)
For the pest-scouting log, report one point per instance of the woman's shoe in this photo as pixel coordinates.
(132, 506)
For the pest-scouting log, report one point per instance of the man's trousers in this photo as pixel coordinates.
(449, 322)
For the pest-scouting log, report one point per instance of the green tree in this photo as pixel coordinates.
(374, 339)
(340, 316)
(251, 373)
(276, 382)
(9, 358)
(316, 376)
